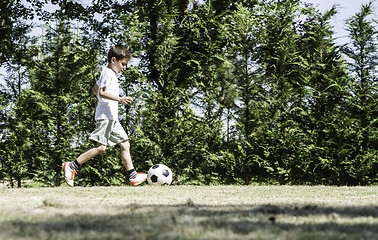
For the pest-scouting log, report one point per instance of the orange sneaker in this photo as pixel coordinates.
(139, 179)
(69, 174)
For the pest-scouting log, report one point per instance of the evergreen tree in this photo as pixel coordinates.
(13, 157)
(60, 83)
(161, 119)
(210, 80)
(322, 115)
(361, 162)
(279, 61)
(245, 35)
(13, 26)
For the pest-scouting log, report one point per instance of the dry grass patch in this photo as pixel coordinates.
(190, 212)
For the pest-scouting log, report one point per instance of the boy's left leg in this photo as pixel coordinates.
(135, 178)
(69, 168)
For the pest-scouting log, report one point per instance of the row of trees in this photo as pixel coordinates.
(226, 92)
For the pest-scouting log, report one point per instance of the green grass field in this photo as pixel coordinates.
(190, 212)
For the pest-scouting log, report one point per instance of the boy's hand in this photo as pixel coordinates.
(126, 100)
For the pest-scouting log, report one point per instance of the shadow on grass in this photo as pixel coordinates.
(191, 221)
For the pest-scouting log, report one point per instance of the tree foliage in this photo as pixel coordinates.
(226, 92)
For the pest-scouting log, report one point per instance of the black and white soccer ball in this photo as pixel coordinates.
(159, 174)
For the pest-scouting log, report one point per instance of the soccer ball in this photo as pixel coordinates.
(159, 174)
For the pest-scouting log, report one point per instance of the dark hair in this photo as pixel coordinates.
(119, 52)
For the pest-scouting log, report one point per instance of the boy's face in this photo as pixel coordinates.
(118, 66)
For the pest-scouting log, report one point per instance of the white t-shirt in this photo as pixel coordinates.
(107, 109)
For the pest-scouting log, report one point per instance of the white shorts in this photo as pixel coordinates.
(109, 132)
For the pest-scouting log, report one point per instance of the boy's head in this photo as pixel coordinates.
(118, 56)
(120, 52)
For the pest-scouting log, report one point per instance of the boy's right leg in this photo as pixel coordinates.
(70, 169)
(91, 152)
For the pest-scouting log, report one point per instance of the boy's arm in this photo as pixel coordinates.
(107, 95)
(95, 90)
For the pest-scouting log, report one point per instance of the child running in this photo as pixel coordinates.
(108, 128)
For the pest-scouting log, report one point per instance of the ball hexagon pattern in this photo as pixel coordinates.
(159, 174)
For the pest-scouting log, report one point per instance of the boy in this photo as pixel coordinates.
(108, 129)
